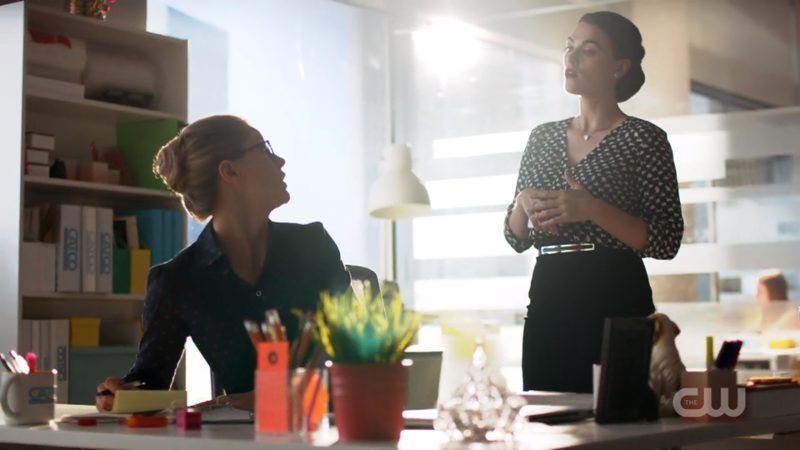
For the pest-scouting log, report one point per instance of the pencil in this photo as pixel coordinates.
(6, 364)
(253, 332)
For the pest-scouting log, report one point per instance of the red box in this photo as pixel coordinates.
(188, 420)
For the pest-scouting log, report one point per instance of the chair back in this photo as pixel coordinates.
(365, 275)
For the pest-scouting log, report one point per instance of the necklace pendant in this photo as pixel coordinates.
(585, 137)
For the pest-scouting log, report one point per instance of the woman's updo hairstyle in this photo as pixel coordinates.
(626, 43)
(189, 163)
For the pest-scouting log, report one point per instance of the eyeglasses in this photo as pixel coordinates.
(265, 146)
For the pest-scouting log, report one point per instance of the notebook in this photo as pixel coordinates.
(136, 401)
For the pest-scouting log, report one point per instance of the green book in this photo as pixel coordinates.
(121, 272)
(139, 142)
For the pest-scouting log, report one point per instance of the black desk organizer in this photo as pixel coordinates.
(624, 390)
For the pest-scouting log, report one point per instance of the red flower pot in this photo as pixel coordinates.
(368, 401)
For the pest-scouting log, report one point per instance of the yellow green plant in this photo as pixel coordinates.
(367, 330)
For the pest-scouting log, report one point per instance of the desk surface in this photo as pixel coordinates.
(587, 436)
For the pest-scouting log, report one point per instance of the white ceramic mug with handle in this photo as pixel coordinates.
(28, 399)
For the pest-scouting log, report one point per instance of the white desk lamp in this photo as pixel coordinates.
(397, 194)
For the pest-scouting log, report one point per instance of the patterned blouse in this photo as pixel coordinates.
(632, 168)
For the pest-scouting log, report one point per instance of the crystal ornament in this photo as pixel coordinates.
(481, 409)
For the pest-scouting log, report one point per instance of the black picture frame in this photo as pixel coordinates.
(624, 393)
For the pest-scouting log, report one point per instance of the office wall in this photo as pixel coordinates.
(310, 75)
(743, 46)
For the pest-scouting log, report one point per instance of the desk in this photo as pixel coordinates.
(666, 433)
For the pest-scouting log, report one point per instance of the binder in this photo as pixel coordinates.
(68, 273)
(89, 249)
(105, 247)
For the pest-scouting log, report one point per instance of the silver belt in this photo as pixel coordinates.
(565, 248)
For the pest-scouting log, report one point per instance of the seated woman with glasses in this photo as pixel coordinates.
(241, 265)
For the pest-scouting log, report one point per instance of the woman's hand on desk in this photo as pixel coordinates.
(244, 401)
(106, 402)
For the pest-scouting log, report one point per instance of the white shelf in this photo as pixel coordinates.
(93, 110)
(721, 194)
(109, 189)
(95, 30)
(84, 296)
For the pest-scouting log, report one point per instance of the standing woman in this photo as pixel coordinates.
(600, 193)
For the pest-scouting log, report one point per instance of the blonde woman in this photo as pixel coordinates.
(241, 265)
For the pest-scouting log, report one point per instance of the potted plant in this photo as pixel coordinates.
(365, 341)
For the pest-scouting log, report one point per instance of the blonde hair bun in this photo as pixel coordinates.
(189, 163)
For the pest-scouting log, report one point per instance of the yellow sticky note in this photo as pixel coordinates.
(136, 401)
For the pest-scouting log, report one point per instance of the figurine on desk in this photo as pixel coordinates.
(666, 366)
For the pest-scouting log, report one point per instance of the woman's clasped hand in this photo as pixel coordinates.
(548, 210)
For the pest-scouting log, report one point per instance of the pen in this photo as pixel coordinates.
(254, 332)
(276, 321)
(269, 334)
(301, 349)
(30, 359)
(19, 361)
(124, 387)
(274, 327)
(8, 366)
(313, 403)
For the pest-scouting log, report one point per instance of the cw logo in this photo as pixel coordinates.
(695, 407)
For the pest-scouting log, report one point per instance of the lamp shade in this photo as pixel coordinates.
(397, 193)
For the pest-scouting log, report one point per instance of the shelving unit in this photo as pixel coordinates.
(96, 194)
(87, 109)
(76, 123)
(69, 296)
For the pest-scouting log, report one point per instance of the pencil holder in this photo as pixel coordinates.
(287, 401)
(710, 395)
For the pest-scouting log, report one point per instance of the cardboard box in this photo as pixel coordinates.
(40, 141)
(72, 168)
(41, 157)
(96, 172)
(36, 170)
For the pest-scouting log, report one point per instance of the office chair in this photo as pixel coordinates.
(364, 275)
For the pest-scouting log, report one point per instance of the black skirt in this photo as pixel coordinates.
(571, 295)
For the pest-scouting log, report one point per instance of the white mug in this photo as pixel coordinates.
(28, 399)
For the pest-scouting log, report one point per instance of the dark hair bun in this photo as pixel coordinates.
(629, 85)
(626, 43)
